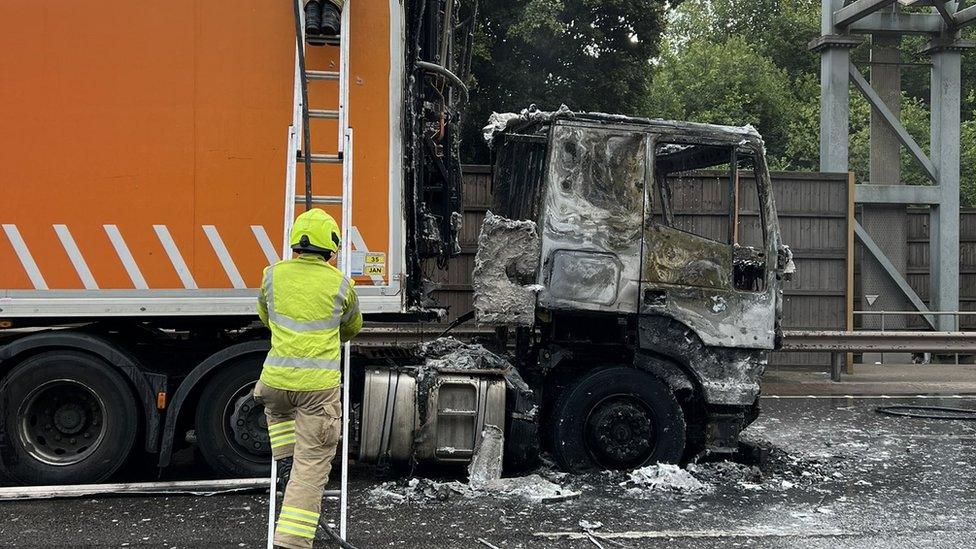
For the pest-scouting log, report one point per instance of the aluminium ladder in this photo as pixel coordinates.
(301, 117)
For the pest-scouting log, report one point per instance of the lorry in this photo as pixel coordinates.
(151, 167)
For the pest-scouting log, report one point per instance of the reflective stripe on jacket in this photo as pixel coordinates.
(310, 307)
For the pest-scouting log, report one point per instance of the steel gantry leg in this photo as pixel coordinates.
(944, 225)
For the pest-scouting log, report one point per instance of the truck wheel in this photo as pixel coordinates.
(232, 431)
(69, 418)
(616, 418)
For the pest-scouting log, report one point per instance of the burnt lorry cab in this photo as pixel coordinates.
(651, 327)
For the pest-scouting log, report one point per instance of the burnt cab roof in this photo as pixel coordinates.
(534, 121)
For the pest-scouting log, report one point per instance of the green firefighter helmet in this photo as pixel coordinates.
(315, 231)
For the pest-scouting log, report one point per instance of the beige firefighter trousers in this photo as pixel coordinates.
(304, 425)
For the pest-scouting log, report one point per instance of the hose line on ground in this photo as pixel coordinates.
(335, 536)
(928, 412)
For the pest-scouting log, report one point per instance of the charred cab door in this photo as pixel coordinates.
(707, 259)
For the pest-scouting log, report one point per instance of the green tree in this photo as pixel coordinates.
(777, 29)
(592, 55)
(724, 83)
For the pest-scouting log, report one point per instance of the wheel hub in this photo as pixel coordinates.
(61, 422)
(70, 418)
(619, 433)
(249, 425)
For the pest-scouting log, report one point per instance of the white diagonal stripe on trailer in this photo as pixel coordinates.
(26, 259)
(224, 256)
(360, 245)
(175, 257)
(125, 256)
(266, 246)
(74, 254)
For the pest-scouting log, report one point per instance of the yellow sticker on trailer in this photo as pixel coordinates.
(374, 264)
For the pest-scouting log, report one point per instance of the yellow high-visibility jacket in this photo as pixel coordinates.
(310, 307)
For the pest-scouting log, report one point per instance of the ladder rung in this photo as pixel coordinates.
(319, 199)
(322, 75)
(322, 158)
(328, 114)
(456, 413)
(323, 40)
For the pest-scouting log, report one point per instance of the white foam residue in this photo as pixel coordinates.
(663, 477)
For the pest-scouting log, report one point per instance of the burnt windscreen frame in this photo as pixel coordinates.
(695, 186)
(517, 178)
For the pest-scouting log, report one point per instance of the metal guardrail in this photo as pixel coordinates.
(878, 341)
(839, 343)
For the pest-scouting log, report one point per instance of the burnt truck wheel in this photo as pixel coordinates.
(69, 418)
(232, 431)
(616, 418)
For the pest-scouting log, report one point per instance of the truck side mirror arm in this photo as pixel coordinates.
(784, 262)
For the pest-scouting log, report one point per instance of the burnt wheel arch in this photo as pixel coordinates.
(195, 381)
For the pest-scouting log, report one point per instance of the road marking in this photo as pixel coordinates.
(224, 256)
(863, 397)
(74, 254)
(698, 534)
(122, 250)
(175, 257)
(26, 259)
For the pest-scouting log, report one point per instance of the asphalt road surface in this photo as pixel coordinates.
(833, 473)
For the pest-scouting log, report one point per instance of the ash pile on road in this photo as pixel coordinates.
(663, 477)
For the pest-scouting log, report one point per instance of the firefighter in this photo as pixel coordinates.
(322, 17)
(310, 307)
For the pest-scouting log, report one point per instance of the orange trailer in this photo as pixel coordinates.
(149, 171)
(143, 158)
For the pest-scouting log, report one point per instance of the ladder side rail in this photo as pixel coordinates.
(346, 255)
(272, 502)
(290, 166)
(344, 33)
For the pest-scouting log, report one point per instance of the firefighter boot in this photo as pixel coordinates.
(313, 17)
(284, 473)
(330, 19)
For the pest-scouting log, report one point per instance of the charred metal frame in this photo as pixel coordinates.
(840, 26)
(439, 39)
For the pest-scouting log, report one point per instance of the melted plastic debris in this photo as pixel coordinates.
(663, 477)
(505, 271)
(447, 352)
(532, 488)
(486, 465)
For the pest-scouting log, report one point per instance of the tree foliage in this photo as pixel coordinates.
(589, 54)
(723, 83)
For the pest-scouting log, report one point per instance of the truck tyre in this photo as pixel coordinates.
(232, 431)
(69, 418)
(616, 418)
